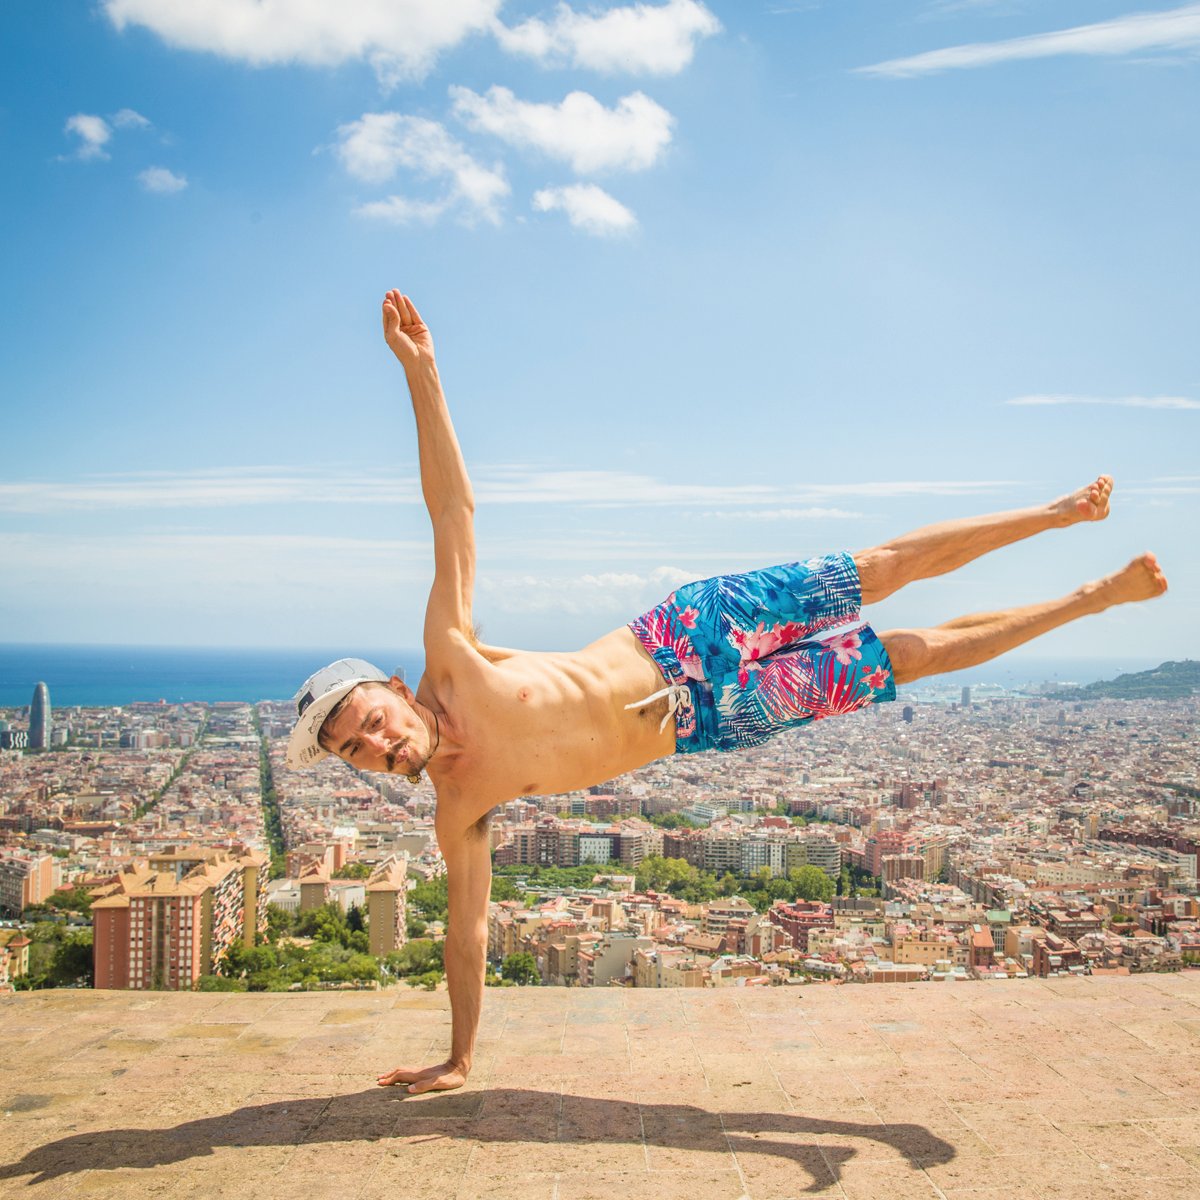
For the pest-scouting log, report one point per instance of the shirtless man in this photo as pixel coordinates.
(731, 659)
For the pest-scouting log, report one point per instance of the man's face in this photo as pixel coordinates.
(378, 730)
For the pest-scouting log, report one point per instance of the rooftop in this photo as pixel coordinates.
(1055, 1089)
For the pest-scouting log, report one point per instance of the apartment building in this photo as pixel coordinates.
(386, 892)
(158, 926)
(26, 878)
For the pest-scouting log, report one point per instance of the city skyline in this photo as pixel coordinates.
(712, 285)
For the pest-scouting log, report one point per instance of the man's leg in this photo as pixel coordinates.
(936, 549)
(971, 640)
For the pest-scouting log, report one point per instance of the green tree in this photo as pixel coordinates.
(362, 968)
(505, 889)
(781, 889)
(219, 983)
(72, 962)
(415, 958)
(325, 924)
(428, 981)
(811, 883)
(673, 820)
(658, 874)
(521, 968)
(699, 888)
(429, 899)
(728, 884)
(280, 922)
(75, 899)
(353, 870)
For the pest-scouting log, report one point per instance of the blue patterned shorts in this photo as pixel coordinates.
(750, 652)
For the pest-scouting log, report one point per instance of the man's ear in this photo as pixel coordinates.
(401, 689)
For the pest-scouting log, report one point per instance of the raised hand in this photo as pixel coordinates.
(405, 332)
(441, 1078)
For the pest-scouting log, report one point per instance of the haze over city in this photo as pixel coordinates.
(712, 286)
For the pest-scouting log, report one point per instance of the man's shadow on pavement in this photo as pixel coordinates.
(508, 1115)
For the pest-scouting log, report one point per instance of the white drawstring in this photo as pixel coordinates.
(677, 695)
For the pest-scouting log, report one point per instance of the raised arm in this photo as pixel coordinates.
(444, 481)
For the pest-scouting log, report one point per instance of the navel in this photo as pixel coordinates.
(523, 693)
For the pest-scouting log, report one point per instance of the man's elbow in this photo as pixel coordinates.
(458, 512)
(467, 936)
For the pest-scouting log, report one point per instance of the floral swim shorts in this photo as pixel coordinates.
(744, 656)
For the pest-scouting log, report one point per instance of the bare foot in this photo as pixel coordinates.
(1088, 503)
(1142, 579)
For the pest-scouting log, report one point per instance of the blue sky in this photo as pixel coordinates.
(712, 285)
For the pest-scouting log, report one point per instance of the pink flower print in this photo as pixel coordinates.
(876, 679)
(845, 647)
(744, 669)
(758, 643)
(687, 618)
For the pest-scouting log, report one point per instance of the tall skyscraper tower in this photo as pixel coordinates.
(966, 697)
(39, 718)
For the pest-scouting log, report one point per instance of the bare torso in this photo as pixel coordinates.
(540, 723)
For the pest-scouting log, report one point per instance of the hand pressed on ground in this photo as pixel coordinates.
(440, 1078)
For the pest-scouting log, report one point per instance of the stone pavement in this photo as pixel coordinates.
(1058, 1089)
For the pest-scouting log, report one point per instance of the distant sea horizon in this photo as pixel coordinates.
(105, 676)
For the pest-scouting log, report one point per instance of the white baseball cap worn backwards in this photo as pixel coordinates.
(317, 695)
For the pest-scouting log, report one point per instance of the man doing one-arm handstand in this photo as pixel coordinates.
(733, 659)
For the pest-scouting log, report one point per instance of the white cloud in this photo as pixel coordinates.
(785, 514)
(588, 208)
(127, 118)
(949, 8)
(233, 588)
(377, 145)
(94, 134)
(590, 594)
(191, 489)
(162, 181)
(579, 131)
(1164, 402)
(404, 210)
(400, 38)
(493, 485)
(1172, 489)
(641, 39)
(1172, 29)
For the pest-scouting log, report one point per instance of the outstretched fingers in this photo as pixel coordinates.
(414, 316)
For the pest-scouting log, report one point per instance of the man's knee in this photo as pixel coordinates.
(876, 573)
(910, 651)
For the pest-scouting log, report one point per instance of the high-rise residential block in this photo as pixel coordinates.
(386, 894)
(25, 878)
(162, 925)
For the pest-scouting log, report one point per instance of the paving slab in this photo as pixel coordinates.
(1047, 1090)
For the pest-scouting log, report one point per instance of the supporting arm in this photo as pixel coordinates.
(468, 858)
